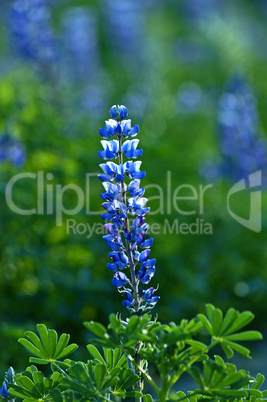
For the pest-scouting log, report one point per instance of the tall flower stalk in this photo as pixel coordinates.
(125, 210)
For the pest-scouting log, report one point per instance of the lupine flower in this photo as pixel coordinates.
(120, 260)
(11, 151)
(123, 128)
(30, 23)
(120, 279)
(149, 296)
(4, 391)
(127, 249)
(129, 149)
(9, 378)
(113, 191)
(129, 298)
(111, 149)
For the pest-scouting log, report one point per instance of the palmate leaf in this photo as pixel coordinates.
(32, 385)
(46, 347)
(91, 380)
(108, 374)
(225, 330)
(120, 334)
(112, 357)
(220, 380)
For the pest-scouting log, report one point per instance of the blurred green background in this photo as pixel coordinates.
(63, 65)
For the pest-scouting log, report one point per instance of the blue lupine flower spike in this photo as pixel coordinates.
(129, 245)
(9, 379)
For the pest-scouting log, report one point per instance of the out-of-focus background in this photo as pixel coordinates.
(193, 75)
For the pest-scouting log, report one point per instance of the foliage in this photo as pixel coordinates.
(112, 370)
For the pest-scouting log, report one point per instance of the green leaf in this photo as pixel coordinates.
(15, 391)
(56, 395)
(147, 398)
(97, 329)
(230, 379)
(133, 394)
(197, 346)
(68, 350)
(36, 342)
(238, 348)
(39, 361)
(28, 345)
(52, 338)
(182, 395)
(39, 382)
(255, 392)
(41, 328)
(206, 323)
(25, 382)
(130, 380)
(231, 393)
(119, 360)
(245, 336)
(241, 321)
(95, 353)
(99, 372)
(109, 356)
(62, 343)
(227, 350)
(193, 326)
(46, 349)
(258, 381)
(229, 318)
(215, 316)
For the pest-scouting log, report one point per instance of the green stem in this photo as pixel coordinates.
(61, 370)
(145, 375)
(180, 372)
(164, 392)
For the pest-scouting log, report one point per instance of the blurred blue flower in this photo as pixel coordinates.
(242, 148)
(11, 151)
(125, 23)
(30, 24)
(189, 98)
(81, 65)
(200, 9)
(80, 40)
